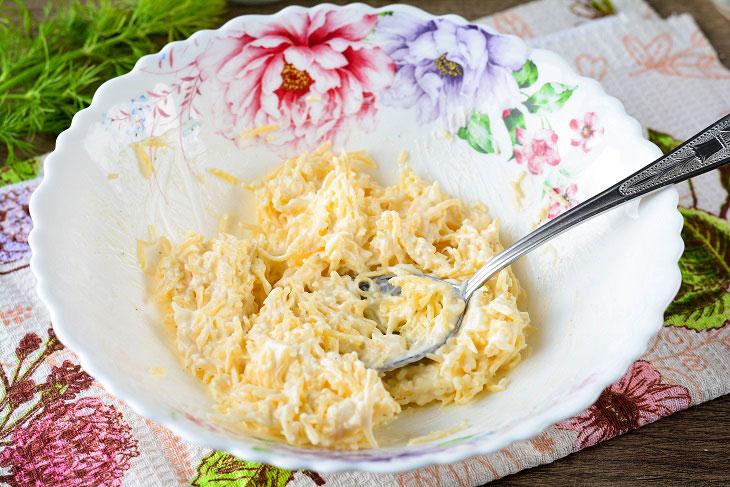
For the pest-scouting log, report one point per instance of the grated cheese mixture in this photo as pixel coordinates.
(276, 324)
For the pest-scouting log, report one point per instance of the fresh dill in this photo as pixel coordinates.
(51, 66)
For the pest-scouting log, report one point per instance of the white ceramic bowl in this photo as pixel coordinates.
(384, 80)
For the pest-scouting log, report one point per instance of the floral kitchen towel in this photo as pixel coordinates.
(59, 428)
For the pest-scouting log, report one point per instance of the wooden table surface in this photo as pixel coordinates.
(690, 447)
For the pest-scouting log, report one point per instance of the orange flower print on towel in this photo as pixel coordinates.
(16, 314)
(511, 23)
(543, 444)
(435, 475)
(590, 66)
(175, 451)
(697, 39)
(657, 55)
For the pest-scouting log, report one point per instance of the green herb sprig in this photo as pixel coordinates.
(50, 68)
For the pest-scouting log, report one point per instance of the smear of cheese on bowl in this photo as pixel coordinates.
(277, 327)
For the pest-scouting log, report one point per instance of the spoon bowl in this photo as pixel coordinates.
(385, 287)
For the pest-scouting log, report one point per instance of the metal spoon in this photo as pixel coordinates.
(705, 151)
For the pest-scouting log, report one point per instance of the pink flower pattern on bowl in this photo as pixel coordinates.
(558, 205)
(587, 129)
(536, 149)
(306, 73)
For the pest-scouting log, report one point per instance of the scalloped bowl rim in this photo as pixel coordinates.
(527, 429)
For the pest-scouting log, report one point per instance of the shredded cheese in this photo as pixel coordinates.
(278, 327)
(112, 175)
(225, 176)
(143, 244)
(157, 371)
(246, 134)
(519, 194)
(223, 223)
(438, 434)
(144, 159)
(444, 134)
(550, 250)
(541, 216)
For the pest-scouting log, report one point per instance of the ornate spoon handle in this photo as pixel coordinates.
(707, 150)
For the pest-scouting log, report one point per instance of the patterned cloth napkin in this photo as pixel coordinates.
(58, 427)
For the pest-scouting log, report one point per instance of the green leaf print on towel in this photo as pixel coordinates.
(703, 300)
(219, 469)
(664, 141)
(724, 173)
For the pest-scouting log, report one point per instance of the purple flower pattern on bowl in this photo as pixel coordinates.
(446, 69)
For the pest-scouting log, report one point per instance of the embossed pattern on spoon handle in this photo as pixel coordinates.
(705, 151)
